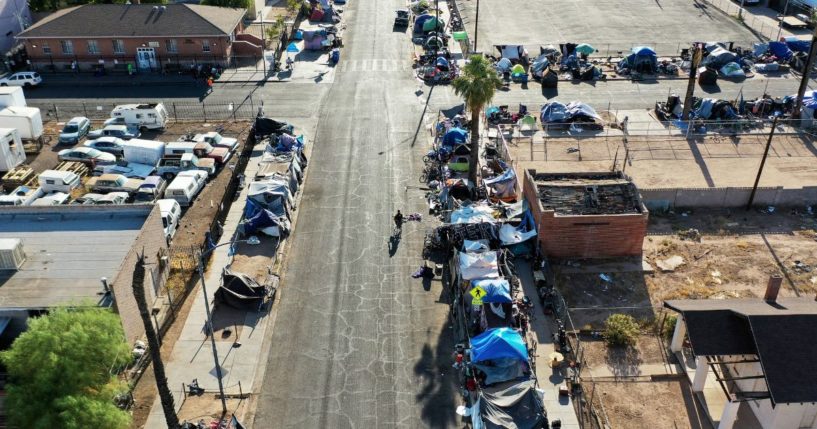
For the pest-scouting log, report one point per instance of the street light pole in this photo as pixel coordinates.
(780, 21)
(251, 240)
(476, 28)
(801, 91)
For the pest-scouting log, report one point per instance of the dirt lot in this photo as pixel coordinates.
(649, 404)
(735, 256)
(624, 361)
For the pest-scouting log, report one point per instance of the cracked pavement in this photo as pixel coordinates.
(357, 342)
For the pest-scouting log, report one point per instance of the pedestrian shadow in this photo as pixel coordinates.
(437, 395)
(394, 242)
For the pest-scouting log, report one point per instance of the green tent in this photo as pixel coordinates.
(518, 69)
(432, 24)
(527, 121)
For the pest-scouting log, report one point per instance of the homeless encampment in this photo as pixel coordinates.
(265, 127)
(479, 266)
(500, 353)
(719, 57)
(509, 406)
(503, 186)
(240, 291)
(642, 60)
(556, 113)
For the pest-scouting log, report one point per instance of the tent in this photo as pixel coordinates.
(513, 52)
(313, 40)
(419, 21)
(732, 70)
(499, 343)
(240, 291)
(496, 290)
(582, 112)
(527, 122)
(553, 112)
(455, 136)
(502, 186)
(518, 69)
(433, 24)
(503, 65)
(643, 60)
(479, 265)
(265, 127)
(473, 214)
(540, 64)
(442, 63)
(515, 406)
(267, 222)
(797, 45)
(720, 57)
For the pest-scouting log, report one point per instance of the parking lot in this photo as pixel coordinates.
(608, 25)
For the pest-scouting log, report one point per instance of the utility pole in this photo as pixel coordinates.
(780, 22)
(476, 29)
(436, 26)
(693, 72)
(806, 72)
(740, 11)
(762, 163)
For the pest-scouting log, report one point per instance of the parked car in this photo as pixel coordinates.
(186, 186)
(88, 199)
(124, 132)
(74, 130)
(201, 149)
(112, 198)
(52, 199)
(169, 167)
(112, 145)
(26, 78)
(113, 183)
(151, 190)
(131, 170)
(86, 154)
(171, 213)
(215, 139)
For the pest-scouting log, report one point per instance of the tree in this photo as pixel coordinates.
(621, 330)
(61, 371)
(476, 85)
(241, 4)
(165, 396)
(275, 29)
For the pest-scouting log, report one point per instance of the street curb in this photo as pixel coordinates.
(158, 83)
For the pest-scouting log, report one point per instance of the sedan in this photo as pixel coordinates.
(75, 130)
(112, 145)
(88, 199)
(125, 132)
(86, 154)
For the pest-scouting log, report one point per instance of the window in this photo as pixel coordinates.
(46, 49)
(67, 47)
(118, 47)
(205, 45)
(172, 48)
(93, 47)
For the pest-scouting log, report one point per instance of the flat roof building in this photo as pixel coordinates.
(64, 254)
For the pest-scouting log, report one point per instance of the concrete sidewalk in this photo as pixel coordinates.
(192, 356)
(558, 407)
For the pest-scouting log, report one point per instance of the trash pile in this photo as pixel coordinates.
(323, 11)
(271, 192)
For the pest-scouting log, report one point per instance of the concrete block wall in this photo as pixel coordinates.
(733, 197)
(593, 236)
(151, 238)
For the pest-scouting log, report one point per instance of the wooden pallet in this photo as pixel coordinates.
(81, 169)
(18, 176)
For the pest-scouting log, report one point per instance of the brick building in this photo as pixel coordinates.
(146, 36)
(586, 215)
(68, 251)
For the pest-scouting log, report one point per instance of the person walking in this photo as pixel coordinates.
(210, 84)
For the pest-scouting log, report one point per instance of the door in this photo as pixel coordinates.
(146, 58)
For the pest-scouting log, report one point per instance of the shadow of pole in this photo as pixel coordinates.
(422, 116)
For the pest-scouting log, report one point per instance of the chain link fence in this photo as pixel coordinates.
(246, 109)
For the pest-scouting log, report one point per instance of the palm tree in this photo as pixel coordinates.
(165, 397)
(476, 85)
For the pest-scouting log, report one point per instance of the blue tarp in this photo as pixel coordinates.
(455, 136)
(798, 45)
(553, 112)
(504, 65)
(263, 219)
(498, 343)
(780, 50)
(442, 63)
(539, 65)
(496, 290)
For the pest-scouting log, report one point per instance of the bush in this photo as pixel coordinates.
(620, 330)
(669, 326)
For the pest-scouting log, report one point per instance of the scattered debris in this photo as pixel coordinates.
(770, 209)
(801, 267)
(606, 278)
(670, 264)
(691, 234)
(572, 150)
(716, 277)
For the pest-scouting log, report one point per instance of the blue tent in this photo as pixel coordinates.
(498, 343)
(419, 21)
(455, 136)
(643, 51)
(554, 112)
(496, 290)
(780, 50)
(643, 59)
(504, 64)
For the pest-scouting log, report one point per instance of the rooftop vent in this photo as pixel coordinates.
(12, 255)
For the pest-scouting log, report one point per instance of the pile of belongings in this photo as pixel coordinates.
(808, 112)
(518, 74)
(710, 108)
(501, 186)
(241, 291)
(732, 70)
(556, 114)
(767, 106)
(509, 405)
(501, 114)
(672, 109)
(319, 39)
(419, 6)
(642, 60)
(718, 57)
(442, 71)
(322, 11)
(266, 127)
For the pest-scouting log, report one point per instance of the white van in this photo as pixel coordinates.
(186, 186)
(171, 213)
(150, 116)
(55, 180)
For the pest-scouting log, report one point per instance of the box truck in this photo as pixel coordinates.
(12, 96)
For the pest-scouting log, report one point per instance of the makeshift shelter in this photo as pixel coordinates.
(420, 21)
(456, 188)
(520, 240)
(780, 50)
(265, 127)
(273, 195)
(499, 343)
(540, 65)
(553, 112)
(265, 221)
(433, 24)
(434, 42)
(442, 64)
(240, 291)
(797, 45)
(643, 60)
(585, 49)
(313, 40)
(455, 136)
(496, 290)
(473, 214)
(720, 57)
(479, 265)
(503, 186)
(509, 406)
(527, 122)
(732, 70)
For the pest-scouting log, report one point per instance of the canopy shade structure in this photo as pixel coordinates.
(499, 343)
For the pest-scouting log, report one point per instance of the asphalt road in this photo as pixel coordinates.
(357, 342)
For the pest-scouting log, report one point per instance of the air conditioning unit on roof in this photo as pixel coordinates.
(12, 255)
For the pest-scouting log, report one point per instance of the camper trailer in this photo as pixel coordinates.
(12, 153)
(27, 120)
(149, 116)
